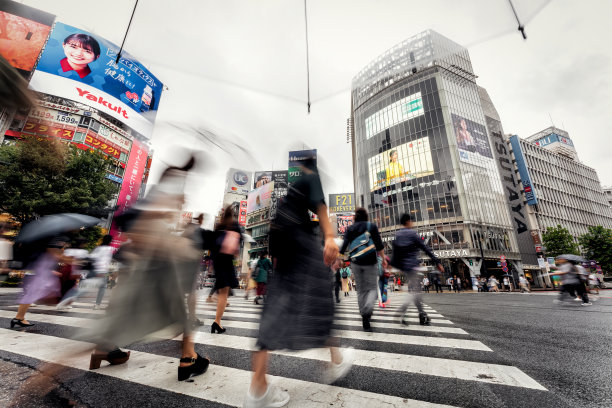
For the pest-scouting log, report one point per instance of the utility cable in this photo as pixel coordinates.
(126, 33)
(307, 57)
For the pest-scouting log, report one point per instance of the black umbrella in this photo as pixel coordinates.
(51, 225)
(571, 258)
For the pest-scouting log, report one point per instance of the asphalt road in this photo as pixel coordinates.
(560, 355)
(567, 348)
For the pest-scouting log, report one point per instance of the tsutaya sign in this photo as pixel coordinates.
(452, 253)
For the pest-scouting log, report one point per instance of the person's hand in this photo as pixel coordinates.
(385, 264)
(330, 252)
(440, 268)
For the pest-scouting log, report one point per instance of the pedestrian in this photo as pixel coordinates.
(449, 283)
(524, 284)
(101, 257)
(45, 286)
(426, 284)
(573, 278)
(506, 281)
(484, 284)
(406, 247)
(299, 311)
(438, 284)
(493, 284)
(593, 283)
(456, 284)
(362, 241)
(157, 272)
(345, 274)
(337, 278)
(263, 269)
(250, 282)
(226, 245)
(195, 233)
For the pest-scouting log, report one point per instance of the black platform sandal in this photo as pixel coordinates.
(198, 366)
(20, 323)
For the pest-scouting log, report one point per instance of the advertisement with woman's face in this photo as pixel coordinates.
(81, 66)
(404, 162)
(472, 141)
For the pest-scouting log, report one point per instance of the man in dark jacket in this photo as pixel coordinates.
(406, 249)
(365, 269)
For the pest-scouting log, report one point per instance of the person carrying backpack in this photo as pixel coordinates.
(406, 247)
(363, 242)
(345, 274)
(262, 269)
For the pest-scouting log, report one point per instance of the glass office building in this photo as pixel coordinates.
(421, 146)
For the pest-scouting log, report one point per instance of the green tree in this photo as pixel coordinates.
(41, 176)
(597, 245)
(558, 240)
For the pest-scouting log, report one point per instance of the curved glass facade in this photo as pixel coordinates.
(421, 146)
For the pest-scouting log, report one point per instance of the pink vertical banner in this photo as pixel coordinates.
(128, 194)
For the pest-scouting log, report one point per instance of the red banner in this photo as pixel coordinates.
(242, 216)
(49, 130)
(102, 145)
(130, 187)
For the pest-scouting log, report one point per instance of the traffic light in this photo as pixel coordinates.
(471, 262)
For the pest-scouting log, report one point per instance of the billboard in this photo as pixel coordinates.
(237, 181)
(261, 177)
(130, 187)
(260, 198)
(81, 67)
(295, 160)
(341, 203)
(472, 142)
(343, 222)
(530, 194)
(242, 214)
(23, 32)
(554, 138)
(405, 162)
(391, 115)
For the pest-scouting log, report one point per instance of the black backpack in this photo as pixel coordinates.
(344, 273)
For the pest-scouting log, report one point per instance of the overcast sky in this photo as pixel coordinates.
(238, 68)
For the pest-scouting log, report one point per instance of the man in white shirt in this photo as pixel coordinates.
(524, 283)
(426, 284)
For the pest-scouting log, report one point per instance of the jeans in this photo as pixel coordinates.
(366, 277)
(415, 296)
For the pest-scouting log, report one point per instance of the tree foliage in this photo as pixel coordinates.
(597, 245)
(41, 176)
(558, 240)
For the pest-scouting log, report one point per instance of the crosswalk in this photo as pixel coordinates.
(395, 365)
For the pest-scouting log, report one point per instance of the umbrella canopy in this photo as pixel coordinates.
(51, 225)
(571, 258)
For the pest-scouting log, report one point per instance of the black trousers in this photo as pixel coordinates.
(337, 286)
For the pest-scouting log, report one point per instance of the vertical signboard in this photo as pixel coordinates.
(237, 181)
(341, 203)
(130, 187)
(530, 194)
(242, 215)
(296, 158)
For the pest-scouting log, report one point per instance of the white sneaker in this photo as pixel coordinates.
(273, 398)
(338, 371)
(587, 304)
(578, 299)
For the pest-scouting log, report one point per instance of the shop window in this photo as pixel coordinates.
(79, 137)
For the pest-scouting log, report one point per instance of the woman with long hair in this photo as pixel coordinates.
(226, 247)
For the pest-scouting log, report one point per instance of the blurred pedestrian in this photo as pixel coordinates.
(573, 279)
(438, 284)
(299, 311)
(227, 245)
(45, 285)
(406, 248)
(493, 284)
(101, 257)
(263, 269)
(345, 274)
(524, 284)
(195, 233)
(337, 278)
(506, 281)
(593, 283)
(363, 242)
(251, 284)
(426, 284)
(457, 284)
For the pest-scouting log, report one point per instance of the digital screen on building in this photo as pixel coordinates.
(405, 162)
(260, 197)
(553, 138)
(296, 158)
(80, 66)
(23, 32)
(472, 142)
(398, 112)
(261, 177)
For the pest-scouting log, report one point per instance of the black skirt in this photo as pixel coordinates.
(299, 310)
(225, 275)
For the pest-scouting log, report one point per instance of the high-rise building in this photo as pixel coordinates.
(608, 192)
(556, 140)
(560, 190)
(421, 146)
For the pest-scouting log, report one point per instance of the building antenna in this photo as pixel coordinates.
(551, 119)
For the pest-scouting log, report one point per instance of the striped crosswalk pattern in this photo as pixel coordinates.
(402, 361)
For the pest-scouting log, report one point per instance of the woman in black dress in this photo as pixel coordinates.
(226, 246)
(299, 312)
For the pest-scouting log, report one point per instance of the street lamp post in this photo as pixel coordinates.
(482, 262)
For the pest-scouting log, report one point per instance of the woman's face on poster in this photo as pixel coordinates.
(394, 157)
(77, 55)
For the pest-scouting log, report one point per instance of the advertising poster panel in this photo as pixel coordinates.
(260, 198)
(23, 32)
(242, 215)
(130, 187)
(261, 177)
(234, 201)
(396, 113)
(405, 162)
(295, 160)
(472, 142)
(530, 194)
(279, 177)
(341, 203)
(344, 221)
(80, 66)
(237, 181)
